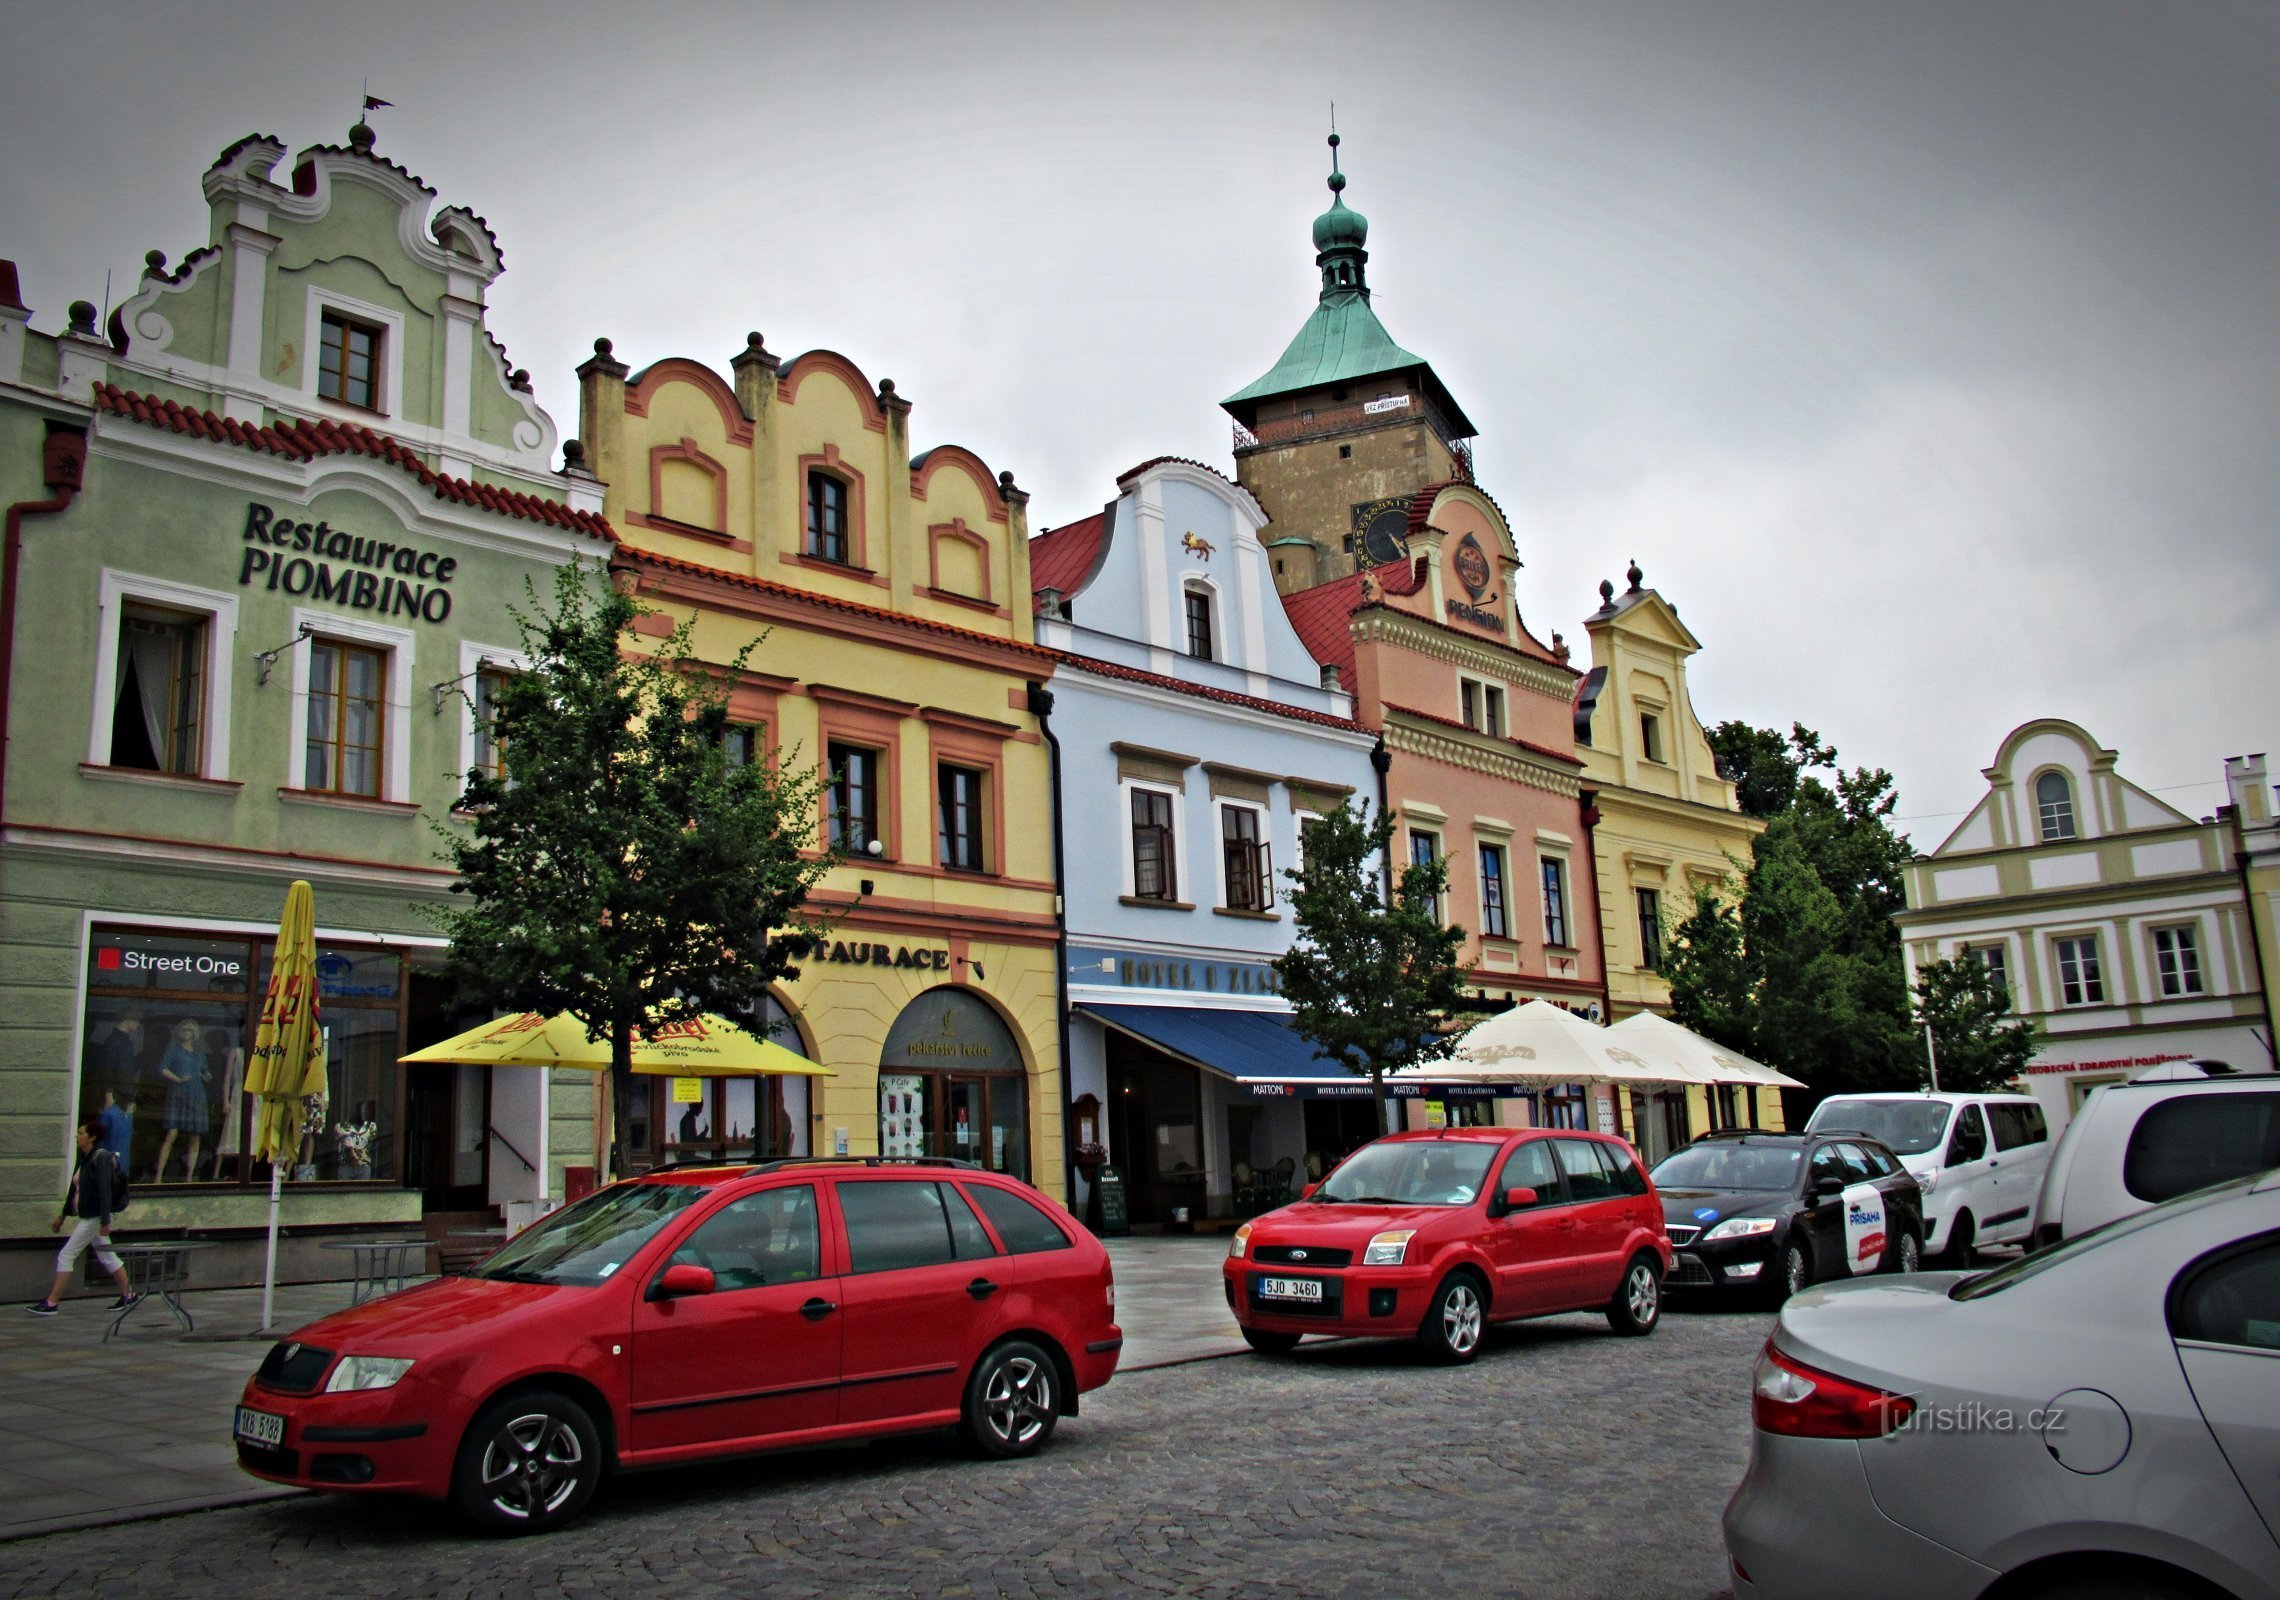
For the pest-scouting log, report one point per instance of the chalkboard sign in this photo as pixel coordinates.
(1108, 1216)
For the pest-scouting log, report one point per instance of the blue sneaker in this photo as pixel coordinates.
(44, 1308)
(127, 1302)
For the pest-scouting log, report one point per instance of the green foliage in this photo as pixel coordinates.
(625, 870)
(1980, 1045)
(1369, 983)
(1806, 972)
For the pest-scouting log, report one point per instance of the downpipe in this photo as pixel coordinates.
(63, 469)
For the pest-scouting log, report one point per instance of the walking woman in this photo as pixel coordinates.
(95, 1188)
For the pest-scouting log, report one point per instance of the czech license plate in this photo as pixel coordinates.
(1291, 1289)
(260, 1427)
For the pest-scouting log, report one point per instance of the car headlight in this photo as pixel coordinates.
(1739, 1228)
(1926, 1181)
(367, 1372)
(1240, 1243)
(1388, 1249)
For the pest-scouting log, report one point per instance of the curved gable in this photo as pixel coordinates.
(800, 368)
(642, 391)
(924, 467)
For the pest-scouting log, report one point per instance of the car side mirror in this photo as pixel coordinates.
(1827, 1188)
(1307, 1193)
(1519, 1199)
(682, 1278)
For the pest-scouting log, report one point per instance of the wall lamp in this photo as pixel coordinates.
(265, 659)
(444, 690)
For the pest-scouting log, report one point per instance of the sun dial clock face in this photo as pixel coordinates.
(1381, 530)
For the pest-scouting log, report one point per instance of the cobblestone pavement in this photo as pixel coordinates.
(1565, 1462)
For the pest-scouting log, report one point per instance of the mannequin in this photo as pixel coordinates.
(188, 1106)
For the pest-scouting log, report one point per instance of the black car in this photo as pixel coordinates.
(1783, 1210)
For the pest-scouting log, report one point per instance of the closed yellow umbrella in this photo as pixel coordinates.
(706, 1046)
(288, 1062)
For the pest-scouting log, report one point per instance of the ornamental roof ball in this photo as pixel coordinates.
(1340, 227)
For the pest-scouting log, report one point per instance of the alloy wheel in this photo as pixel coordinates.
(1642, 1293)
(1017, 1402)
(1794, 1272)
(1461, 1318)
(532, 1466)
(1911, 1253)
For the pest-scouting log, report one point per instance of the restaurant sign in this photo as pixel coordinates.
(328, 563)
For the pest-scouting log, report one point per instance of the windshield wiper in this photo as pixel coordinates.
(1358, 1200)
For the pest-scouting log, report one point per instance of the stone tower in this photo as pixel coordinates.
(1347, 426)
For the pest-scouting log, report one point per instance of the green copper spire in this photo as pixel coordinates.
(1339, 234)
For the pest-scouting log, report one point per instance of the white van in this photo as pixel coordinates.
(1978, 1158)
(2162, 1134)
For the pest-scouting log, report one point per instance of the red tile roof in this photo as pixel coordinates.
(1204, 691)
(898, 619)
(1321, 614)
(306, 440)
(1062, 558)
(1565, 758)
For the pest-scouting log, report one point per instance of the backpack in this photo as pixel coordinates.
(119, 1195)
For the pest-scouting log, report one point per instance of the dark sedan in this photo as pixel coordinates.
(1784, 1210)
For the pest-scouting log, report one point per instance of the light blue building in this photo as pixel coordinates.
(1197, 735)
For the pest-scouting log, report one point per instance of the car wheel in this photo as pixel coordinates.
(1454, 1321)
(1270, 1344)
(529, 1462)
(1908, 1252)
(1011, 1401)
(1637, 1305)
(1959, 1252)
(1796, 1271)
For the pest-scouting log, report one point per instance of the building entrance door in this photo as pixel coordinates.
(446, 1137)
(952, 1083)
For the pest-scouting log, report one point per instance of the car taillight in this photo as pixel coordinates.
(1806, 1403)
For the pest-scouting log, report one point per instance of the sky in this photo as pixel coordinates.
(1925, 355)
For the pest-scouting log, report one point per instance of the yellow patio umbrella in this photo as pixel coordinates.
(706, 1046)
(287, 1066)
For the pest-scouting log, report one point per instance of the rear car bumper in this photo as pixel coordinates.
(1804, 1526)
(378, 1441)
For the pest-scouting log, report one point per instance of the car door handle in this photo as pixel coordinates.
(816, 1310)
(981, 1288)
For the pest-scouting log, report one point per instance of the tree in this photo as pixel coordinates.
(1761, 764)
(1980, 1046)
(1369, 983)
(623, 868)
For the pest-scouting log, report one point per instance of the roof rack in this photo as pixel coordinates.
(1750, 1133)
(865, 1161)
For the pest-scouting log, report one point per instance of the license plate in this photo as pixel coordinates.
(260, 1427)
(1291, 1289)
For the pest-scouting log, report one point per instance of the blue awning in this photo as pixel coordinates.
(1266, 1056)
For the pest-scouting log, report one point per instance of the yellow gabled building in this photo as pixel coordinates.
(1663, 823)
(890, 593)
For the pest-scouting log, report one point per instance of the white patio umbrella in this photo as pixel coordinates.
(1661, 1041)
(1541, 1043)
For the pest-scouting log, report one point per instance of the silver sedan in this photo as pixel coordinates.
(2100, 1421)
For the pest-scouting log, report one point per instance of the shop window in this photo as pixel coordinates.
(959, 817)
(2054, 805)
(1246, 859)
(347, 714)
(156, 724)
(827, 517)
(2080, 982)
(1198, 604)
(1565, 1106)
(1424, 850)
(1155, 875)
(1650, 929)
(1494, 922)
(1650, 736)
(2177, 959)
(1554, 872)
(854, 824)
(348, 361)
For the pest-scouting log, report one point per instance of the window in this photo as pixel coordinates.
(1153, 874)
(827, 517)
(1650, 928)
(1198, 603)
(2079, 981)
(1021, 1223)
(1493, 922)
(769, 1237)
(348, 361)
(2177, 957)
(740, 743)
(1530, 1167)
(1248, 860)
(2235, 1300)
(2016, 1125)
(347, 710)
(155, 721)
(1650, 736)
(1468, 702)
(2054, 800)
(894, 1223)
(854, 798)
(1998, 964)
(1480, 706)
(1345, 452)
(1589, 1177)
(2194, 1140)
(1628, 1178)
(1492, 709)
(1554, 874)
(488, 683)
(958, 823)
(1969, 1141)
(1424, 850)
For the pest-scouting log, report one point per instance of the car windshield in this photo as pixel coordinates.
(589, 1241)
(1905, 1127)
(1412, 1172)
(2041, 1261)
(1722, 1165)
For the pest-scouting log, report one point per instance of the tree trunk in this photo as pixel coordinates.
(621, 1093)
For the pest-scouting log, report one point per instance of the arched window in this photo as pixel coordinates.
(2054, 799)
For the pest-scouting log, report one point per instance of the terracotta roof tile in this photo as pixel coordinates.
(305, 440)
(1062, 558)
(1204, 691)
(1321, 614)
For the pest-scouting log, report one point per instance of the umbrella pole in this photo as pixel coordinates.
(269, 1265)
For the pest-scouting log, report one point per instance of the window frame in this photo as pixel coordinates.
(1646, 902)
(1496, 906)
(2072, 818)
(1169, 830)
(347, 651)
(947, 773)
(1192, 595)
(1257, 870)
(475, 660)
(2087, 985)
(388, 366)
(348, 329)
(835, 816)
(115, 591)
(2178, 971)
(1651, 736)
(1552, 885)
(1996, 958)
(400, 646)
(1432, 840)
(811, 536)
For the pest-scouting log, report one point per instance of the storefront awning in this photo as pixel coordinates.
(1264, 1055)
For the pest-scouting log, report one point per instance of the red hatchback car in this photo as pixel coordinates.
(1437, 1234)
(694, 1313)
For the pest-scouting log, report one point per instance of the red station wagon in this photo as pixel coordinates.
(1436, 1234)
(695, 1313)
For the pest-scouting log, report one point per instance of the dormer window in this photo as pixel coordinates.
(2054, 800)
(1198, 603)
(348, 361)
(827, 517)
(1650, 736)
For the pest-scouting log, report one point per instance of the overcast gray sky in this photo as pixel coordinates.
(1927, 355)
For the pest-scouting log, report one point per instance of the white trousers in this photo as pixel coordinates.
(87, 1231)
